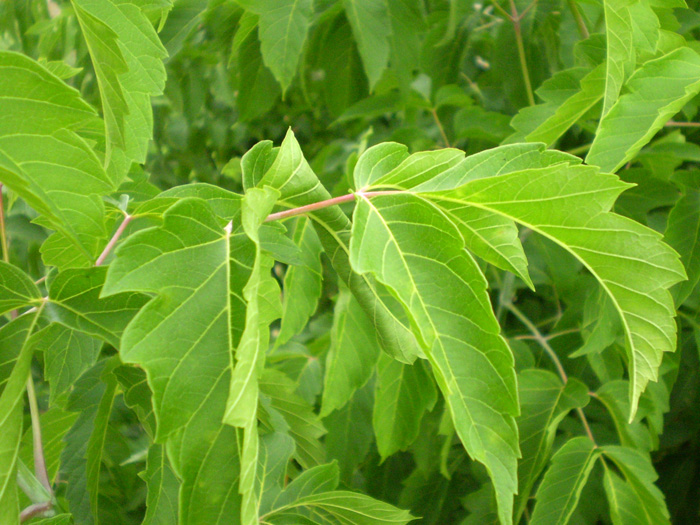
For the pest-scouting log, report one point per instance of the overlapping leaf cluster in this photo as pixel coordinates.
(384, 330)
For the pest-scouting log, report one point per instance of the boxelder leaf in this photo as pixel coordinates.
(67, 354)
(15, 336)
(683, 234)
(322, 478)
(412, 247)
(42, 158)
(544, 402)
(292, 175)
(305, 427)
(74, 301)
(371, 28)
(563, 482)
(657, 91)
(242, 405)
(619, 58)
(302, 283)
(377, 161)
(341, 506)
(16, 288)
(637, 500)
(353, 354)
(282, 30)
(128, 59)
(570, 205)
(163, 485)
(403, 394)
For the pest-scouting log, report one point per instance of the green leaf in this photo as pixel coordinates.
(412, 247)
(302, 283)
(299, 186)
(322, 478)
(350, 432)
(683, 234)
(563, 482)
(637, 499)
(128, 59)
(242, 404)
(371, 28)
(44, 160)
(403, 394)
(568, 96)
(348, 507)
(544, 402)
(163, 485)
(657, 91)
(194, 314)
(75, 301)
(353, 354)
(258, 89)
(631, 263)
(67, 354)
(619, 57)
(17, 333)
(16, 288)
(283, 27)
(305, 427)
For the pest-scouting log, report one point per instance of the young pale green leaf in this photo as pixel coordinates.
(163, 485)
(570, 205)
(637, 500)
(403, 394)
(128, 59)
(371, 28)
(291, 174)
(259, 295)
(683, 234)
(283, 26)
(16, 288)
(17, 335)
(544, 402)
(412, 247)
(657, 91)
(619, 58)
(568, 96)
(563, 482)
(302, 283)
(341, 506)
(353, 354)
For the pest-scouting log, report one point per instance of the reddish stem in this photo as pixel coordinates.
(325, 204)
(113, 240)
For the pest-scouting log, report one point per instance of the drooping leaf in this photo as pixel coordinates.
(657, 91)
(411, 246)
(353, 354)
(560, 490)
(302, 283)
(683, 234)
(371, 28)
(544, 402)
(637, 499)
(163, 485)
(403, 394)
(283, 27)
(18, 333)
